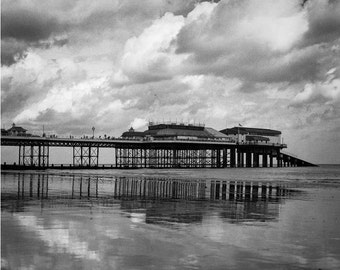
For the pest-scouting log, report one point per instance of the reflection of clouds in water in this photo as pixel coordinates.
(191, 261)
(138, 217)
(329, 260)
(58, 238)
(112, 233)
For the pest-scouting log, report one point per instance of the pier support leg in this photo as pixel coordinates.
(256, 160)
(232, 157)
(85, 156)
(213, 158)
(271, 160)
(279, 160)
(239, 159)
(265, 160)
(34, 155)
(248, 159)
(225, 161)
(218, 157)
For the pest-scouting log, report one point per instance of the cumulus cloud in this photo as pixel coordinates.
(244, 39)
(151, 57)
(139, 123)
(320, 92)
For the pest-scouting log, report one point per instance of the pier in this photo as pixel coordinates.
(161, 146)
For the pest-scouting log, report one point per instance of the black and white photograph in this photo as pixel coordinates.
(170, 134)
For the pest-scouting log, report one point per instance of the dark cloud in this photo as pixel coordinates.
(27, 25)
(12, 51)
(22, 28)
(304, 2)
(15, 97)
(324, 22)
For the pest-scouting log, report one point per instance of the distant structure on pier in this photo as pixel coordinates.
(175, 131)
(14, 131)
(247, 134)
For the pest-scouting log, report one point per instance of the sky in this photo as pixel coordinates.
(70, 65)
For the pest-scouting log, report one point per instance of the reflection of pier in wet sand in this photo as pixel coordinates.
(162, 199)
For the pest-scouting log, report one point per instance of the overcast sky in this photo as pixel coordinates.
(71, 65)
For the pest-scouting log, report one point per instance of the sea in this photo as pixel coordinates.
(232, 218)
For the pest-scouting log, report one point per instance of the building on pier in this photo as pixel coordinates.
(132, 134)
(176, 131)
(16, 131)
(253, 135)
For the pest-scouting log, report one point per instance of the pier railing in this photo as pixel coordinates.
(11, 140)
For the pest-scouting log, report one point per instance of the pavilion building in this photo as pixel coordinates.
(175, 131)
(253, 135)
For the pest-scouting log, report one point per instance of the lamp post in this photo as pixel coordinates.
(93, 129)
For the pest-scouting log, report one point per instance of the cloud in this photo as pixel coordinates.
(12, 51)
(323, 22)
(32, 26)
(139, 123)
(22, 27)
(321, 92)
(243, 39)
(29, 81)
(113, 64)
(150, 56)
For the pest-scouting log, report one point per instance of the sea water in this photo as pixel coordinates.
(251, 218)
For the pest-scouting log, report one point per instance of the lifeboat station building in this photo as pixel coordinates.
(247, 135)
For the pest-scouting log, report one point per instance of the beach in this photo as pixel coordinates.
(250, 218)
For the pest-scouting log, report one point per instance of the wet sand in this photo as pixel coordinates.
(183, 219)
